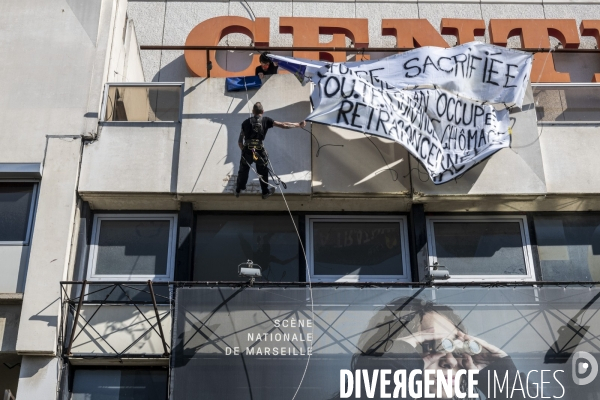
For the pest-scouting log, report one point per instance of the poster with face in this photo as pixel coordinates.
(377, 343)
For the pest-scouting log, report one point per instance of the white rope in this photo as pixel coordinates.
(312, 307)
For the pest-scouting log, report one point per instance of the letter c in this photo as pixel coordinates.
(457, 391)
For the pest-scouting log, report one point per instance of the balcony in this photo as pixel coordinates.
(124, 320)
(142, 102)
(572, 103)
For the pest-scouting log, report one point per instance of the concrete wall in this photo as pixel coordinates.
(39, 377)
(59, 51)
(133, 60)
(47, 50)
(570, 158)
(9, 327)
(212, 118)
(9, 372)
(50, 247)
(13, 268)
(131, 158)
(124, 56)
(348, 163)
(114, 328)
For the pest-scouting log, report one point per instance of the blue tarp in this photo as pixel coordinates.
(242, 83)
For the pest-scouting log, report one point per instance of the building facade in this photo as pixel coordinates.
(119, 226)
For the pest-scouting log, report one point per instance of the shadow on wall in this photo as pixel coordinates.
(281, 146)
(370, 164)
(117, 328)
(175, 71)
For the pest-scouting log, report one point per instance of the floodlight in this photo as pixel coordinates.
(250, 270)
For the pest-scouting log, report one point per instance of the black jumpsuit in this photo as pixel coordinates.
(247, 154)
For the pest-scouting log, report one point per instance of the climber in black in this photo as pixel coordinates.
(266, 67)
(254, 130)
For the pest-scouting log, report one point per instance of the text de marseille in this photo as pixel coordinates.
(279, 342)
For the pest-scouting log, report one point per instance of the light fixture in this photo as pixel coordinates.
(250, 270)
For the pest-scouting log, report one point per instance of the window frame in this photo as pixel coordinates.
(525, 240)
(562, 86)
(93, 255)
(154, 365)
(108, 85)
(32, 208)
(402, 221)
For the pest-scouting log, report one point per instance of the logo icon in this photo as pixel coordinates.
(585, 368)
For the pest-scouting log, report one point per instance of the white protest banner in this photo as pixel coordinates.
(476, 71)
(448, 134)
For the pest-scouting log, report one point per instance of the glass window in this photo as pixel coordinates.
(123, 384)
(569, 247)
(225, 241)
(481, 247)
(142, 103)
(135, 247)
(354, 249)
(16, 211)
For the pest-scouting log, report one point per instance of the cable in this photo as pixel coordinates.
(319, 145)
(312, 308)
(251, 10)
(392, 171)
(162, 42)
(418, 168)
(306, 263)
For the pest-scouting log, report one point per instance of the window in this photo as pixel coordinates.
(353, 249)
(481, 247)
(133, 247)
(569, 247)
(17, 204)
(567, 103)
(225, 241)
(142, 102)
(119, 384)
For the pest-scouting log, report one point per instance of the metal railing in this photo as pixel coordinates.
(568, 103)
(8, 395)
(94, 297)
(77, 295)
(142, 102)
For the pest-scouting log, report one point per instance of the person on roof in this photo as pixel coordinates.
(266, 67)
(252, 135)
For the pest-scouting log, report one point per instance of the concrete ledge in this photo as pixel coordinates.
(11, 298)
(37, 353)
(131, 201)
(21, 170)
(129, 362)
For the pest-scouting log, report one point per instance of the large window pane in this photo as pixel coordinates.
(569, 247)
(357, 248)
(15, 208)
(133, 247)
(480, 248)
(225, 241)
(89, 384)
(143, 103)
